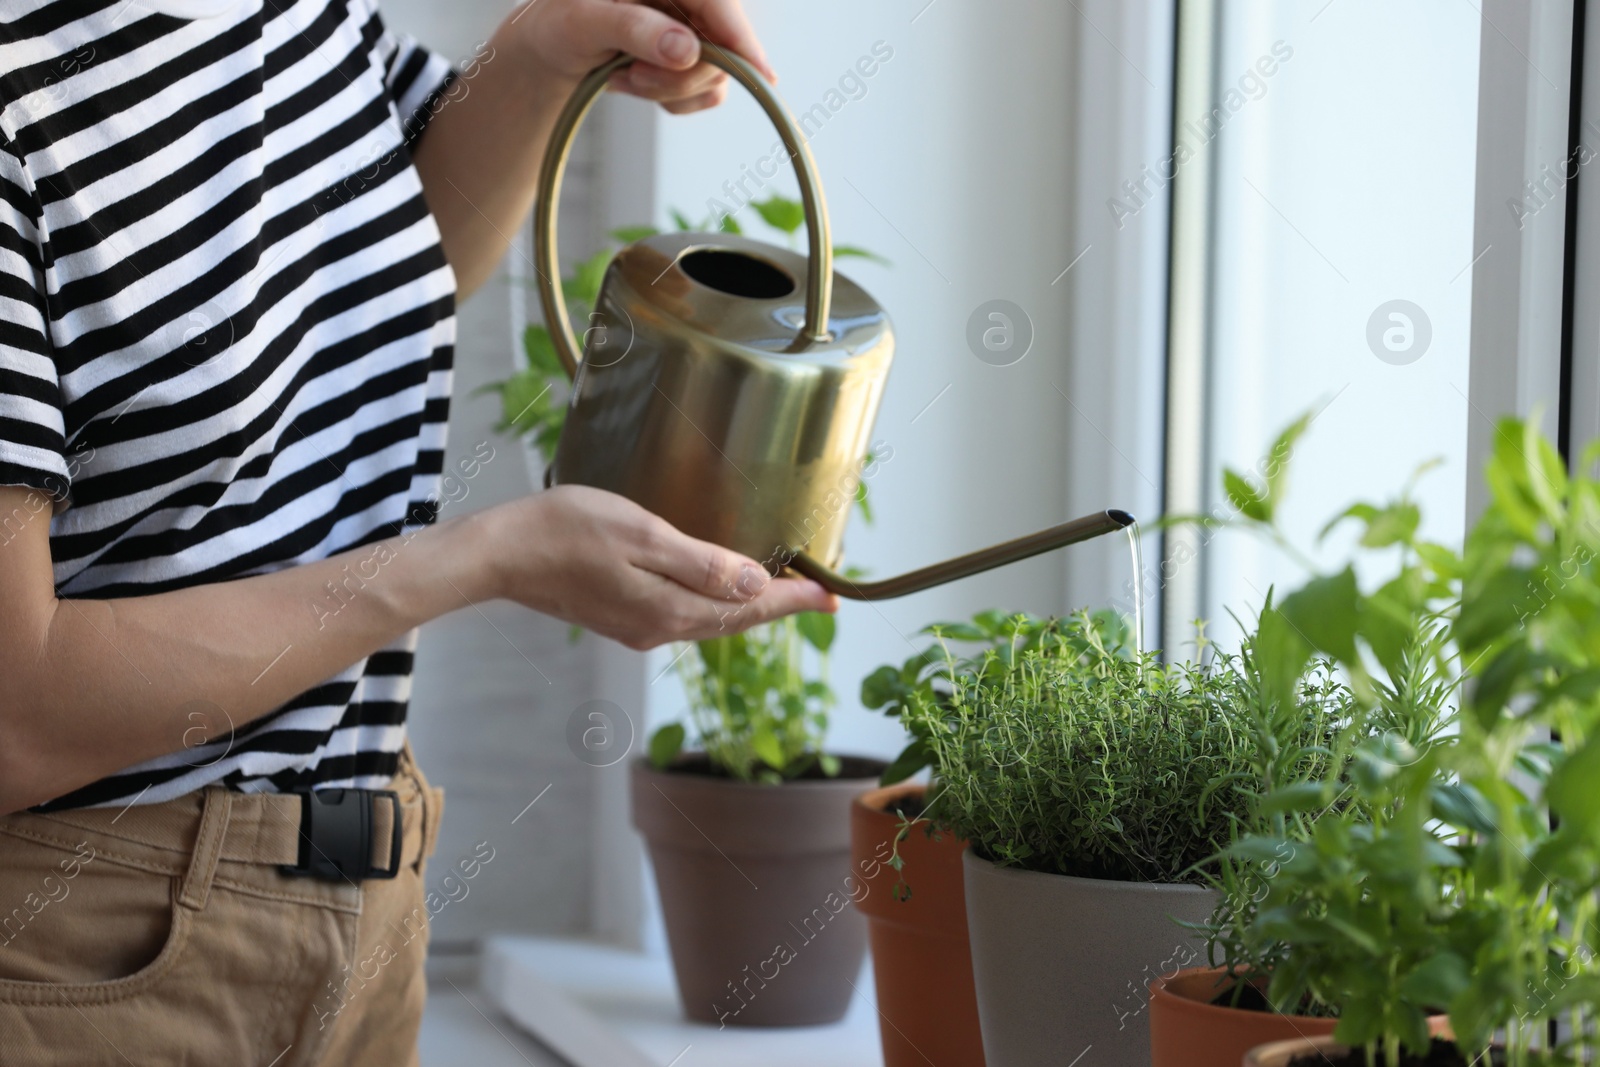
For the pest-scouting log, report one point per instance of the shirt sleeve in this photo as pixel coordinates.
(417, 79)
(32, 427)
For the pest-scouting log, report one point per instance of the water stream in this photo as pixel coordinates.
(1137, 553)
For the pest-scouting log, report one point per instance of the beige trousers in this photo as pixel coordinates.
(165, 934)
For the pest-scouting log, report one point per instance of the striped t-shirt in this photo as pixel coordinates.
(226, 329)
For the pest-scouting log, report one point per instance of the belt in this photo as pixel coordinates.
(343, 835)
(336, 834)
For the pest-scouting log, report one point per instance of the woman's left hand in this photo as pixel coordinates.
(568, 38)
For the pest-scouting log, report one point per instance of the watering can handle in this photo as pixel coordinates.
(819, 272)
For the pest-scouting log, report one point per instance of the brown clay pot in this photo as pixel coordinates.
(921, 962)
(757, 891)
(1186, 1030)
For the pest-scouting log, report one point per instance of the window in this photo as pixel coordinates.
(1338, 142)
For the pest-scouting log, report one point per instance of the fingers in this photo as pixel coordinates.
(783, 596)
(697, 103)
(786, 596)
(700, 567)
(647, 34)
(670, 86)
(724, 22)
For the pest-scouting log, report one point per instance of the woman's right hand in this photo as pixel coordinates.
(603, 562)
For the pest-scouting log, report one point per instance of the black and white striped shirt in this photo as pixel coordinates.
(226, 328)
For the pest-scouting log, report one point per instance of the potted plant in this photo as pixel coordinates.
(749, 834)
(1472, 884)
(1091, 781)
(1212, 1016)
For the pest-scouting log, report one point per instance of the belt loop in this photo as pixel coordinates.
(424, 830)
(216, 805)
(431, 800)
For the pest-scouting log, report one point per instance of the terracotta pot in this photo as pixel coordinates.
(756, 891)
(1061, 963)
(1186, 1030)
(1283, 1053)
(928, 1011)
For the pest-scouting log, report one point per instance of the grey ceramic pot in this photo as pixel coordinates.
(757, 891)
(1062, 964)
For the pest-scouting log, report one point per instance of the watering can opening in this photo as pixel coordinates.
(737, 273)
(731, 386)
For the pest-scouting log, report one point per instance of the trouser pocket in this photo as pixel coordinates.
(70, 915)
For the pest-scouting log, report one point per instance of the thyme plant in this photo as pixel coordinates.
(1058, 749)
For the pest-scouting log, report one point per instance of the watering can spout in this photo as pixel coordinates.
(1059, 536)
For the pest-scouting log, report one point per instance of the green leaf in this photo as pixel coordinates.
(586, 277)
(781, 213)
(912, 759)
(1245, 498)
(1496, 682)
(1391, 619)
(817, 627)
(962, 631)
(853, 252)
(665, 744)
(863, 503)
(1326, 613)
(1574, 790)
(1278, 456)
(681, 221)
(1463, 807)
(1495, 606)
(629, 234)
(881, 687)
(1281, 654)
(1263, 849)
(1395, 524)
(526, 407)
(729, 224)
(541, 352)
(765, 744)
(830, 764)
(1365, 512)
(1296, 796)
(1444, 561)
(1436, 981)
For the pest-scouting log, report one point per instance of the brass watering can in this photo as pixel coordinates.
(730, 386)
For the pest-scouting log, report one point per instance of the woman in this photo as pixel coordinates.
(232, 233)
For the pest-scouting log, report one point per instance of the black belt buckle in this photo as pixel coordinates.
(336, 835)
